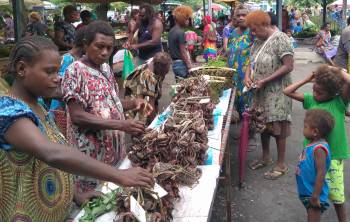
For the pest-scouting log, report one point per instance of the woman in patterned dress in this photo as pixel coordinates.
(271, 64)
(95, 118)
(324, 46)
(239, 43)
(33, 151)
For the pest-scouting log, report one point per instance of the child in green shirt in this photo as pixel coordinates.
(331, 92)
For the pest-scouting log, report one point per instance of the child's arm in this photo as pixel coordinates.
(291, 89)
(345, 92)
(320, 164)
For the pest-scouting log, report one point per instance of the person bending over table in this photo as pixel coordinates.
(146, 83)
(95, 117)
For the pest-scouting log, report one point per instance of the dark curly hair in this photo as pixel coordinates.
(321, 120)
(329, 78)
(95, 27)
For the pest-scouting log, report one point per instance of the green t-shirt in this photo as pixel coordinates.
(337, 139)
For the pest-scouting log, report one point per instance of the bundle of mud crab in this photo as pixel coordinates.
(171, 152)
(195, 94)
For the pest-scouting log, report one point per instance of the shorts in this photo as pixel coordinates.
(335, 181)
(180, 69)
(307, 205)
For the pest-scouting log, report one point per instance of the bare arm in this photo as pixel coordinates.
(185, 56)
(291, 89)
(131, 29)
(320, 164)
(87, 120)
(157, 31)
(32, 142)
(225, 44)
(59, 35)
(345, 92)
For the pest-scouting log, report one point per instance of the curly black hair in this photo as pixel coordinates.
(329, 78)
(321, 120)
(95, 27)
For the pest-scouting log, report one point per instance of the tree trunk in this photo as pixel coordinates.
(324, 5)
(345, 9)
(101, 11)
(20, 17)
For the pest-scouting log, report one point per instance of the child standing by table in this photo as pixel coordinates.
(331, 92)
(313, 164)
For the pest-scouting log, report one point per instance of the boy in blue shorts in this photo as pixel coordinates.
(314, 162)
(331, 92)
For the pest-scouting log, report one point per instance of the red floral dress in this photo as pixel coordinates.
(97, 91)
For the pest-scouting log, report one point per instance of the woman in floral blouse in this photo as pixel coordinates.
(96, 123)
(271, 63)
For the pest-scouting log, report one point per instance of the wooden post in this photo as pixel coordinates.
(19, 14)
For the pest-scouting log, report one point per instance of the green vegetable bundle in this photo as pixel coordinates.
(100, 205)
(218, 62)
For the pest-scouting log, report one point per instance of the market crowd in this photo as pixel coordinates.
(51, 167)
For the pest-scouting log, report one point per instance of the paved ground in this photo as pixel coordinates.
(271, 201)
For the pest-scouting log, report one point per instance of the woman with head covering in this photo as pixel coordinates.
(271, 63)
(209, 38)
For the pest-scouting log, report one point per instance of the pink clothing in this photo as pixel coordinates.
(191, 39)
(97, 92)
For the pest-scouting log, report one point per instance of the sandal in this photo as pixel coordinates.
(274, 173)
(258, 164)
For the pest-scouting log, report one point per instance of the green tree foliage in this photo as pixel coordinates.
(308, 3)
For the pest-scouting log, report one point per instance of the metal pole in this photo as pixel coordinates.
(324, 5)
(209, 8)
(279, 13)
(18, 9)
(203, 7)
(345, 8)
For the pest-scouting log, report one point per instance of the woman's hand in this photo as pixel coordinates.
(144, 106)
(82, 198)
(137, 177)
(133, 127)
(247, 82)
(259, 84)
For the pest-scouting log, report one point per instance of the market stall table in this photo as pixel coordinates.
(193, 205)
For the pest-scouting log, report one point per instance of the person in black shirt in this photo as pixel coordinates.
(149, 35)
(177, 43)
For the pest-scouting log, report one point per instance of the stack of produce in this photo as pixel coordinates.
(191, 95)
(172, 152)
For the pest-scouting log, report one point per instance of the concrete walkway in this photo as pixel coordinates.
(262, 200)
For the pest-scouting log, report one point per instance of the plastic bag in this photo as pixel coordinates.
(128, 66)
